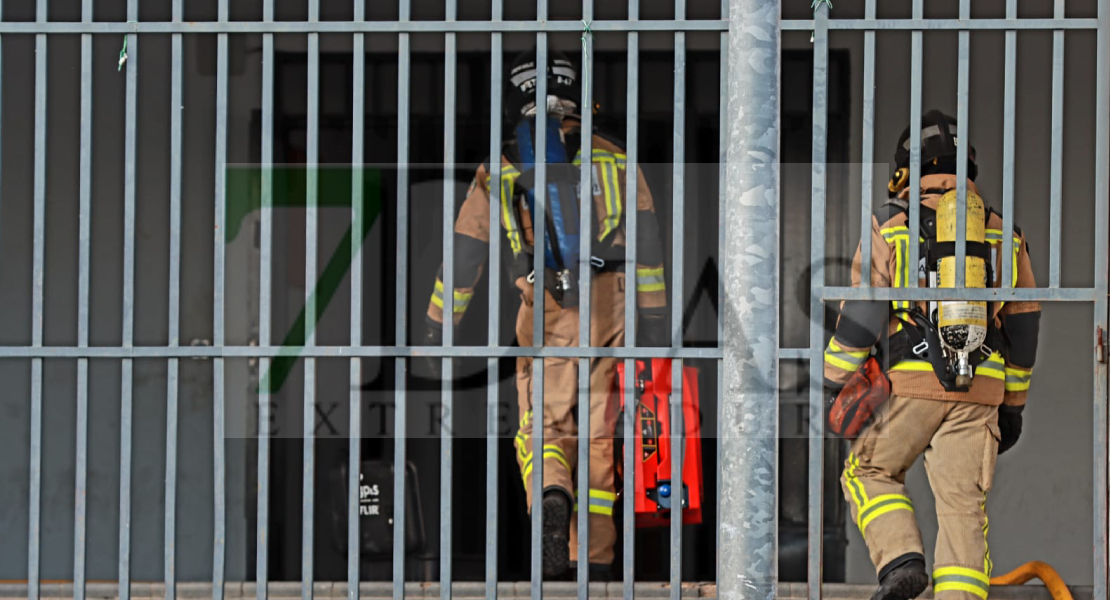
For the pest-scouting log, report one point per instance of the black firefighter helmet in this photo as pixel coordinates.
(938, 151)
(563, 91)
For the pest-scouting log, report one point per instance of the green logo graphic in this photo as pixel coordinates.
(334, 190)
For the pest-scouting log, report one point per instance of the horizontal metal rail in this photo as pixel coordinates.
(118, 27)
(109, 352)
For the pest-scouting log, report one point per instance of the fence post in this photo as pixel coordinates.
(749, 410)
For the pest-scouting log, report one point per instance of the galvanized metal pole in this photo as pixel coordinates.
(749, 407)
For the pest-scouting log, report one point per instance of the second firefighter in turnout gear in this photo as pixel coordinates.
(959, 376)
(558, 455)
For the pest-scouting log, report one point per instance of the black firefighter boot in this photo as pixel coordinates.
(556, 533)
(903, 578)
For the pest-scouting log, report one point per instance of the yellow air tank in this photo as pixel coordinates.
(962, 325)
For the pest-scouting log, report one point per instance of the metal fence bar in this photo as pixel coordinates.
(354, 444)
(914, 213)
(493, 417)
(1075, 295)
(265, 285)
(406, 26)
(447, 442)
(749, 405)
(966, 294)
(1008, 109)
(918, 22)
(174, 309)
(312, 135)
(1056, 172)
(538, 419)
(585, 276)
(631, 402)
(1101, 200)
(552, 26)
(127, 364)
(963, 62)
(34, 518)
(81, 468)
(722, 184)
(400, 405)
(818, 183)
(219, 538)
(678, 219)
(867, 166)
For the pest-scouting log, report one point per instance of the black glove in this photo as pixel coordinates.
(653, 332)
(432, 366)
(1009, 424)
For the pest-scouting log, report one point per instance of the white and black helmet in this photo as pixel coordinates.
(563, 91)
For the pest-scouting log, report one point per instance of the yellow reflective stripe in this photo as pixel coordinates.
(835, 347)
(550, 451)
(912, 364)
(508, 180)
(650, 280)
(901, 242)
(841, 364)
(859, 495)
(1017, 380)
(977, 576)
(602, 502)
(961, 579)
(988, 566)
(847, 360)
(953, 584)
(992, 367)
(603, 495)
(462, 299)
(881, 505)
(520, 450)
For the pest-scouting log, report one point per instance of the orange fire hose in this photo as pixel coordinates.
(1036, 570)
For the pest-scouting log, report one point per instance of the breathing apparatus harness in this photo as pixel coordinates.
(919, 337)
(562, 229)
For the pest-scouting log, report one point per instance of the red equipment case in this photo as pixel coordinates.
(652, 485)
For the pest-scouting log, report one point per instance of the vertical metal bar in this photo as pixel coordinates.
(34, 536)
(1008, 110)
(176, 67)
(219, 541)
(915, 145)
(80, 504)
(308, 499)
(493, 432)
(1102, 256)
(400, 405)
(722, 183)
(354, 444)
(446, 449)
(867, 168)
(749, 410)
(631, 401)
(678, 219)
(266, 235)
(963, 68)
(1056, 176)
(818, 184)
(585, 276)
(538, 419)
(127, 365)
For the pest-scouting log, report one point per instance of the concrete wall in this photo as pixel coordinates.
(1041, 507)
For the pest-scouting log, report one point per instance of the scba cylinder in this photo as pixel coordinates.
(962, 325)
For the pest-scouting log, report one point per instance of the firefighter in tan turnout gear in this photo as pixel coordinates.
(562, 261)
(959, 375)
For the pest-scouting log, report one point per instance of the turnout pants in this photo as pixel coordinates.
(960, 444)
(559, 454)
